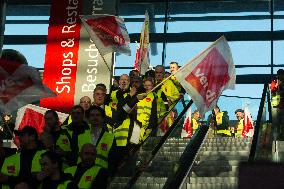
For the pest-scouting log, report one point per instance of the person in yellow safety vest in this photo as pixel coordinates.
(221, 121)
(75, 128)
(20, 166)
(277, 90)
(195, 123)
(60, 136)
(100, 137)
(119, 94)
(51, 174)
(173, 68)
(147, 110)
(240, 125)
(167, 93)
(87, 174)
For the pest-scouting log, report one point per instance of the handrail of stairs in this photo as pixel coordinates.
(187, 159)
(257, 126)
(155, 150)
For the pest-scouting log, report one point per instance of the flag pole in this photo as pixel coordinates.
(103, 59)
(197, 56)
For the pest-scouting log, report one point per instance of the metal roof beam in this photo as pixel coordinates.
(171, 37)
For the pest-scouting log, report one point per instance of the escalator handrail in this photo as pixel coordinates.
(145, 164)
(187, 159)
(258, 124)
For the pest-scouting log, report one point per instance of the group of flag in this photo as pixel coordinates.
(204, 77)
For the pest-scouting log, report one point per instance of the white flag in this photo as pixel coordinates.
(205, 77)
(108, 32)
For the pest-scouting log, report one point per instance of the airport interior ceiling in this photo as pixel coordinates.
(163, 13)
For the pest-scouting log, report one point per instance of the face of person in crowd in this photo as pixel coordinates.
(50, 120)
(216, 110)
(48, 166)
(196, 115)
(99, 97)
(77, 115)
(25, 140)
(95, 117)
(124, 82)
(148, 85)
(173, 67)
(85, 102)
(239, 115)
(159, 73)
(88, 154)
(47, 140)
(136, 83)
(115, 83)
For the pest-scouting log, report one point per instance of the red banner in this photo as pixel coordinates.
(62, 53)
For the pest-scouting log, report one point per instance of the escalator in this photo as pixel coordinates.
(204, 161)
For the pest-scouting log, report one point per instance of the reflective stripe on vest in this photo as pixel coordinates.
(121, 133)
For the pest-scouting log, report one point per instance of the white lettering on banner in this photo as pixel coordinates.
(92, 70)
(67, 63)
(210, 95)
(97, 6)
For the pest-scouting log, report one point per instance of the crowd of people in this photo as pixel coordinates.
(101, 132)
(89, 147)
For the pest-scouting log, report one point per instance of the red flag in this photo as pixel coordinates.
(207, 75)
(20, 84)
(108, 33)
(34, 116)
(248, 123)
(136, 66)
(187, 129)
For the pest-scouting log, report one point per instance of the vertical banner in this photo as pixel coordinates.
(73, 65)
(91, 68)
(62, 53)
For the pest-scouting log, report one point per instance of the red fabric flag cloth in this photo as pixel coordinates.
(34, 116)
(20, 84)
(206, 76)
(144, 61)
(187, 129)
(108, 32)
(248, 124)
(136, 66)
